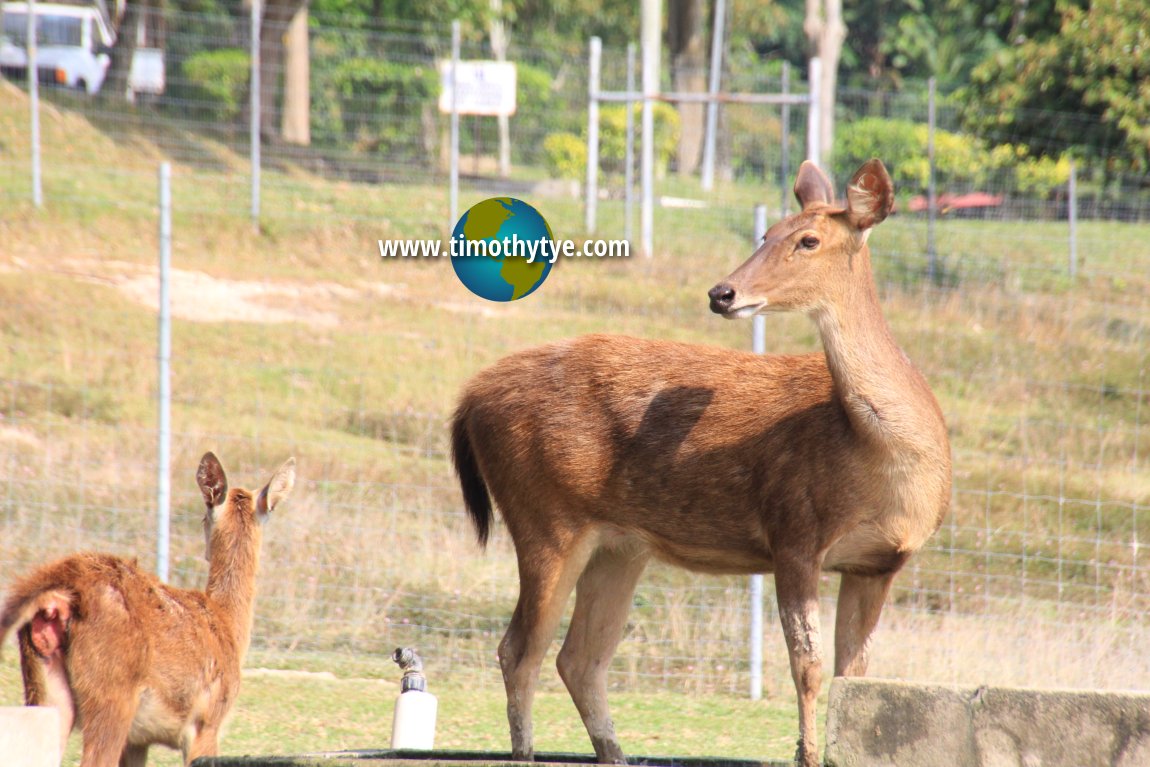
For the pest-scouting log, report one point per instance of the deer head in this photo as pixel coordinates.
(213, 484)
(805, 258)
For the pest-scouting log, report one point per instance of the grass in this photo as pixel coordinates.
(1037, 576)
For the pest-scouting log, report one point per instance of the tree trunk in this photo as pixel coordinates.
(685, 30)
(277, 14)
(116, 82)
(297, 82)
(825, 34)
(498, 32)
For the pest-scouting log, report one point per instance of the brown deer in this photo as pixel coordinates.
(602, 452)
(132, 661)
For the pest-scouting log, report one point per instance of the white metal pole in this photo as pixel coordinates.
(1072, 214)
(785, 156)
(34, 104)
(591, 195)
(454, 159)
(254, 128)
(163, 468)
(758, 346)
(814, 116)
(629, 151)
(713, 89)
(931, 189)
(650, 40)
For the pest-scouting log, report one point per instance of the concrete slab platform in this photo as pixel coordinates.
(443, 758)
(876, 723)
(30, 736)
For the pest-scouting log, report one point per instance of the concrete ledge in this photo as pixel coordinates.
(30, 736)
(443, 758)
(891, 724)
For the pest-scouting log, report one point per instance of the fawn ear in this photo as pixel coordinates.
(212, 480)
(277, 488)
(870, 195)
(812, 186)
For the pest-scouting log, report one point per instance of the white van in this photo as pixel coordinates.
(73, 49)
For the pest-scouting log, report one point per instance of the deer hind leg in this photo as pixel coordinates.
(205, 743)
(134, 756)
(860, 603)
(602, 601)
(106, 722)
(46, 682)
(546, 578)
(796, 585)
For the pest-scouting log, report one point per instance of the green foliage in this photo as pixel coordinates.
(219, 80)
(1087, 87)
(961, 161)
(384, 105)
(565, 155)
(613, 136)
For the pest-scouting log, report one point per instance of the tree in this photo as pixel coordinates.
(1087, 87)
(688, 74)
(825, 35)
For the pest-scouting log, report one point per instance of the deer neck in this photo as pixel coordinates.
(231, 583)
(885, 397)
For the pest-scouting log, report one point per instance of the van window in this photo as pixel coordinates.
(50, 30)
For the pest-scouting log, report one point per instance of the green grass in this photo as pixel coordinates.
(285, 713)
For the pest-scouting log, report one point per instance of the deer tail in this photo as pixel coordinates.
(475, 495)
(35, 597)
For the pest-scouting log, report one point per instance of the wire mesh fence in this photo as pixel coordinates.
(296, 340)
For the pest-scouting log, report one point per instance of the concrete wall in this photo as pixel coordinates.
(29, 736)
(890, 724)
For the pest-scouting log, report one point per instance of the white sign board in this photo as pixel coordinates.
(485, 87)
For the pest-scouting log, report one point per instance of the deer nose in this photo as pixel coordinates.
(722, 296)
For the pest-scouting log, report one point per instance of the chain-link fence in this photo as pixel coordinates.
(296, 339)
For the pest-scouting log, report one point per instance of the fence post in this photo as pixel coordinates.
(254, 128)
(591, 193)
(814, 116)
(1072, 214)
(650, 39)
(629, 151)
(785, 162)
(931, 190)
(759, 346)
(34, 104)
(454, 152)
(713, 89)
(163, 469)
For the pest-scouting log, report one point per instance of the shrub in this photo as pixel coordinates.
(384, 105)
(613, 136)
(219, 80)
(565, 155)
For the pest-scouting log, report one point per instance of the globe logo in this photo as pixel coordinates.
(502, 249)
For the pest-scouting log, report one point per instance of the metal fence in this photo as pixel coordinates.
(1036, 576)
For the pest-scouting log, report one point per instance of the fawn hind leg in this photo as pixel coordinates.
(860, 603)
(45, 677)
(546, 577)
(602, 601)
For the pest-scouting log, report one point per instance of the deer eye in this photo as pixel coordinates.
(809, 242)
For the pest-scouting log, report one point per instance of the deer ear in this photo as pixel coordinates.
(212, 480)
(277, 489)
(812, 186)
(870, 195)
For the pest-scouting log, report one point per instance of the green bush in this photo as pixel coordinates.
(385, 106)
(613, 136)
(219, 79)
(565, 155)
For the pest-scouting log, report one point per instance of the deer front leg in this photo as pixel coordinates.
(796, 586)
(861, 600)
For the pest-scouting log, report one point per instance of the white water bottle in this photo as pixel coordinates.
(414, 724)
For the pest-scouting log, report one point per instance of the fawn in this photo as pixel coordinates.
(134, 662)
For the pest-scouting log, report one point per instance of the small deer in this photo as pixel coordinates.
(714, 460)
(134, 662)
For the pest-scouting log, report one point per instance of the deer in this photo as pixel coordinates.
(714, 460)
(132, 661)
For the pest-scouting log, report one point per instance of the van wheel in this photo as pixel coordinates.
(82, 85)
